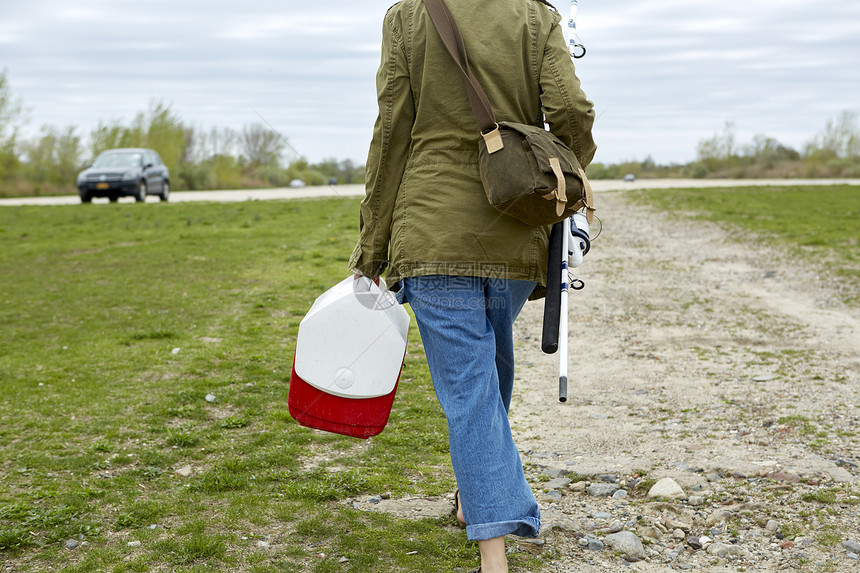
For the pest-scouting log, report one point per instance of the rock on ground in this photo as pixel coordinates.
(628, 544)
(666, 487)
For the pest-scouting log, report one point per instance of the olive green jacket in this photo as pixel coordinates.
(425, 211)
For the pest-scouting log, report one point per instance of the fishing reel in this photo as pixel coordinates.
(578, 245)
(579, 242)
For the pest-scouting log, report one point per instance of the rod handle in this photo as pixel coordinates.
(552, 303)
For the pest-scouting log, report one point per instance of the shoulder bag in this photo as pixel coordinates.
(527, 172)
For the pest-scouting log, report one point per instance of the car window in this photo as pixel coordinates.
(118, 160)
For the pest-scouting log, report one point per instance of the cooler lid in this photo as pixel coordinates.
(352, 341)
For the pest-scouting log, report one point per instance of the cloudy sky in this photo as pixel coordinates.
(663, 74)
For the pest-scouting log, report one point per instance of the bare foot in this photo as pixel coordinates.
(493, 558)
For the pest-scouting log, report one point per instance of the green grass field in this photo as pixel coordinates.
(116, 321)
(821, 225)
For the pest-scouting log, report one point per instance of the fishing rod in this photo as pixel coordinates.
(568, 242)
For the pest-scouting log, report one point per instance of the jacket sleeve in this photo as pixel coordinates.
(389, 150)
(567, 111)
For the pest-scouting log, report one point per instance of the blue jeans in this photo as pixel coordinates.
(466, 326)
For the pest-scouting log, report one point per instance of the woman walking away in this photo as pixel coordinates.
(466, 269)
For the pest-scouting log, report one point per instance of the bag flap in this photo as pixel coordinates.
(545, 147)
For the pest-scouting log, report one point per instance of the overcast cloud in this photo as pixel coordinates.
(663, 74)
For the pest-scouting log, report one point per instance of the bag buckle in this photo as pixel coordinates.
(493, 139)
(561, 190)
(587, 196)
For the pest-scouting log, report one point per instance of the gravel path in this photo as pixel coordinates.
(724, 366)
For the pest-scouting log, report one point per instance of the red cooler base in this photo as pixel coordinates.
(356, 417)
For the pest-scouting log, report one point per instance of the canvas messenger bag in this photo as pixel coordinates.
(527, 172)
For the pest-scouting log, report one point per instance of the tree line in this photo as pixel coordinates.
(834, 152)
(226, 158)
(217, 158)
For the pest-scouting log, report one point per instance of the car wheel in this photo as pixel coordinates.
(85, 198)
(165, 191)
(113, 198)
(141, 193)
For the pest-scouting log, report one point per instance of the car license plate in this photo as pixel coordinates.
(102, 185)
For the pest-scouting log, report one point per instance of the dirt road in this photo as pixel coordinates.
(727, 366)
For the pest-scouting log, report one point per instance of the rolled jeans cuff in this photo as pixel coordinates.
(526, 527)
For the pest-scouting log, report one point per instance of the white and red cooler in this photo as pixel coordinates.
(349, 355)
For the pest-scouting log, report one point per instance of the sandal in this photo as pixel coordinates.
(462, 524)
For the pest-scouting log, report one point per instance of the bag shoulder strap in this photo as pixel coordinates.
(449, 32)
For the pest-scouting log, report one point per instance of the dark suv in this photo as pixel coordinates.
(134, 172)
